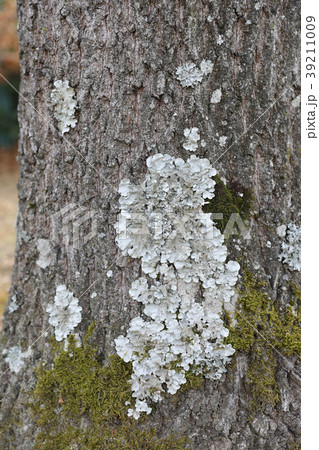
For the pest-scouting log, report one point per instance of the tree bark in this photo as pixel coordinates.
(121, 59)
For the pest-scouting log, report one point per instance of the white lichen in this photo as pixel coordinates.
(190, 76)
(220, 40)
(291, 247)
(14, 357)
(216, 96)
(206, 66)
(222, 141)
(13, 306)
(65, 105)
(109, 273)
(44, 249)
(64, 313)
(183, 252)
(192, 137)
(281, 230)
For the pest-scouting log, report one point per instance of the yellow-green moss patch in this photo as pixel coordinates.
(80, 403)
(259, 330)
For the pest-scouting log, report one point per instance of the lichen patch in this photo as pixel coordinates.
(64, 103)
(64, 313)
(183, 254)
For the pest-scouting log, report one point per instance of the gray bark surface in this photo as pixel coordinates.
(121, 58)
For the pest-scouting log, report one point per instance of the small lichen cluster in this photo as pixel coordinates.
(216, 96)
(44, 249)
(80, 403)
(14, 357)
(259, 328)
(65, 105)
(192, 137)
(64, 313)
(13, 305)
(222, 141)
(206, 66)
(182, 330)
(229, 199)
(291, 247)
(189, 75)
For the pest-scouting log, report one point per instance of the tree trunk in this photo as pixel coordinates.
(121, 60)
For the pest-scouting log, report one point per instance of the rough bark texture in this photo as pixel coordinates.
(121, 58)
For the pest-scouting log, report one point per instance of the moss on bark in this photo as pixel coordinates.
(259, 330)
(231, 199)
(79, 403)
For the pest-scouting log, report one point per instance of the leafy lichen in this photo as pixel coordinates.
(260, 330)
(187, 266)
(79, 403)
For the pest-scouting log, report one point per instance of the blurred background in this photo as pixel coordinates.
(9, 68)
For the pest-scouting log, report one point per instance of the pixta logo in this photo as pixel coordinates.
(74, 225)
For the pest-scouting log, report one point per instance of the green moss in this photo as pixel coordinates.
(80, 403)
(294, 446)
(228, 200)
(260, 329)
(10, 422)
(193, 381)
(262, 382)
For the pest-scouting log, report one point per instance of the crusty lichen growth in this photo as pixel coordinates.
(229, 199)
(79, 403)
(259, 324)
